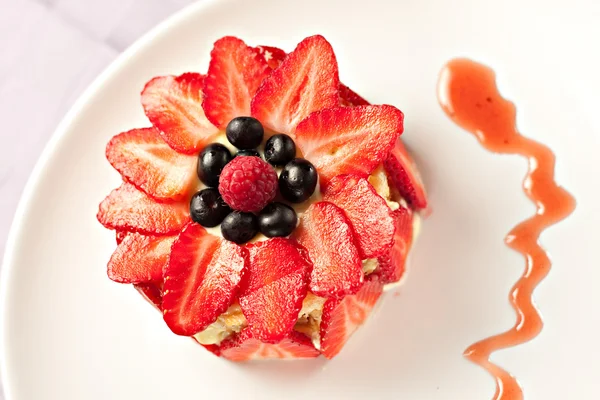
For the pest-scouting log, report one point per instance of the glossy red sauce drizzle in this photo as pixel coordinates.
(468, 94)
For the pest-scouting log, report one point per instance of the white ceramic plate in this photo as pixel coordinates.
(70, 333)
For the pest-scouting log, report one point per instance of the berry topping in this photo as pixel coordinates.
(234, 74)
(369, 214)
(211, 162)
(349, 140)
(247, 153)
(275, 285)
(248, 184)
(130, 209)
(140, 258)
(243, 347)
(201, 279)
(325, 232)
(391, 265)
(405, 177)
(298, 180)
(277, 219)
(280, 149)
(306, 81)
(145, 160)
(239, 227)
(151, 292)
(245, 132)
(342, 317)
(208, 208)
(272, 55)
(174, 106)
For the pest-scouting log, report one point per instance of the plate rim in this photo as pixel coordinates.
(61, 133)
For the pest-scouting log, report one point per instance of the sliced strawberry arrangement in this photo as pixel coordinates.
(341, 318)
(245, 347)
(120, 236)
(369, 214)
(392, 265)
(234, 74)
(146, 161)
(306, 81)
(337, 268)
(174, 106)
(140, 258)
(349, 140)
(404, 175)
(201, 279)
(152, 292)
(273, 56)
(275, 285)
(130, 209)
(349, 98)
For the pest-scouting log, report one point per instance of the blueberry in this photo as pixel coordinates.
(208, 208)
(211, 162)
(247, 153)
(298, 180)
(245, 132)
(277, 219)
(280, 149)
(239, 227)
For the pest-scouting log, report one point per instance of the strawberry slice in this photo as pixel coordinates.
(276, 284)
(273, 56)
(306, 81)
(234, 74)
(145, 160)
(368, 213)
(174, 106)
(325, 232)
(349, 98)
(140, 258)
(120, 236)
(201, 279)
(341, 318)
(348, 140)
(244, 347)
(129, 209)
(391, 265)
(405, 177)
(151, 291)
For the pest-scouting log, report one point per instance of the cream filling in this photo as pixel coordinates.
(309, 317)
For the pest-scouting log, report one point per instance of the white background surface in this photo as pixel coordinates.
(544, 53)
(50, 51)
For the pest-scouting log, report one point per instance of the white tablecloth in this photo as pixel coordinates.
(50, 51)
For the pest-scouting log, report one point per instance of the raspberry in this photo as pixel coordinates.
(248, 184)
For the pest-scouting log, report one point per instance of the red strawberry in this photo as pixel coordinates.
(140, 258)
(174, 106)
(234, 74)
(391, 265)
(151, 291)
(244, 347)
(201, 279)
(348, 140)
(404, 175)
(276, 283)
(325, 232)
(145, 160)
(273, 56)
(130, 209)
(349, 98)
(306, 81)
(342, 317)
(368, 213)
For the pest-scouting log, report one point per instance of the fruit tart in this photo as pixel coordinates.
(267, 206)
